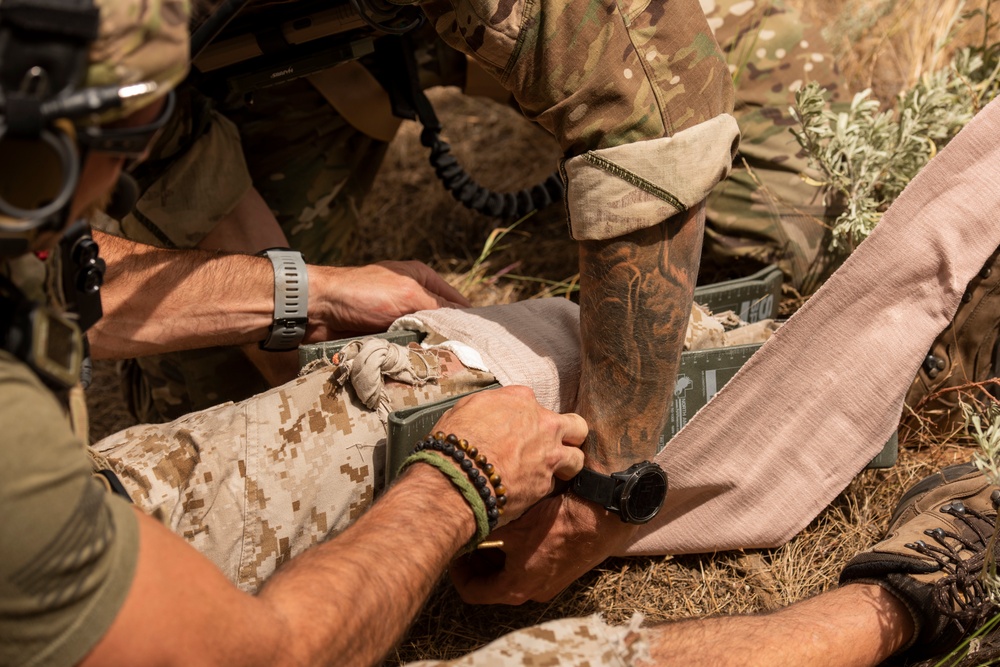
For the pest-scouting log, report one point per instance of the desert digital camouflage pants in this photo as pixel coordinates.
(254, 483)
(568, 642)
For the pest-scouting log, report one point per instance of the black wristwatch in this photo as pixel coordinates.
(636, 494)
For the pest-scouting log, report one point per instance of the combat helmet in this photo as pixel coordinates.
(69, 71)
(68, 68)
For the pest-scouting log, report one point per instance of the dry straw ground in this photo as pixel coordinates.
(883, 44)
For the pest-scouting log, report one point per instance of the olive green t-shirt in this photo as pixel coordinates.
(68, 549)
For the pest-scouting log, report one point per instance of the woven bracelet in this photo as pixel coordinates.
(464, 486)
(471, 461)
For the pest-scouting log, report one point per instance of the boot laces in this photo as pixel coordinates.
(962, 594)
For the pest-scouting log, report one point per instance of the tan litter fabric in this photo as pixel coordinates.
(822, 396)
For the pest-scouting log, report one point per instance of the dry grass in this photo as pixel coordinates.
(887, 45)
(681, 587)
(880, 44)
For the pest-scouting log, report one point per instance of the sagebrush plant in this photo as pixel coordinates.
(867, 155)
(983, 425)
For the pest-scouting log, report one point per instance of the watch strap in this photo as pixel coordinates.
(595, 487)
(291, 300)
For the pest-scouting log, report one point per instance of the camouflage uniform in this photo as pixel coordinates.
(566, 642)
(313, 168)
(69, 548)
(310, 165)
(765, 211)
(255, 483)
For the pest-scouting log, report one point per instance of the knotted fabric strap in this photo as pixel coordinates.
(822, 396)
(367, 363)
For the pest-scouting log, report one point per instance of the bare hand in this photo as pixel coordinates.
(546, 550)
(528, 445)
(367, 299)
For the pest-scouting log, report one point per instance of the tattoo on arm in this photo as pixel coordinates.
(635, 301)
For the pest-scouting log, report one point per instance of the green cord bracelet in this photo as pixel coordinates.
(465, 487)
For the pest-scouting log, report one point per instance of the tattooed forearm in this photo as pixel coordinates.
(635, 301)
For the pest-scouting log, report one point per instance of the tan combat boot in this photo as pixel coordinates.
(932, 558)
(966, 351)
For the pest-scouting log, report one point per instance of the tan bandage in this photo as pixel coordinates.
(614, 191)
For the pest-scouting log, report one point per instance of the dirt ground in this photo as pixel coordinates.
(503, 151)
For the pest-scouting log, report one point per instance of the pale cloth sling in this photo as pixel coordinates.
(823, 395)
(820, 399)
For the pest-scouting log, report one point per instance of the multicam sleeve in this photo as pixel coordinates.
(640, 98)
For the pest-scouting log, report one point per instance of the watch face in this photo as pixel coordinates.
(644, 495)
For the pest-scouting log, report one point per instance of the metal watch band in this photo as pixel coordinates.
(291, 300)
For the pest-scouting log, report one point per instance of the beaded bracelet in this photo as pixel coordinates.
(464, 487)
(488, 469)
(468, 459)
